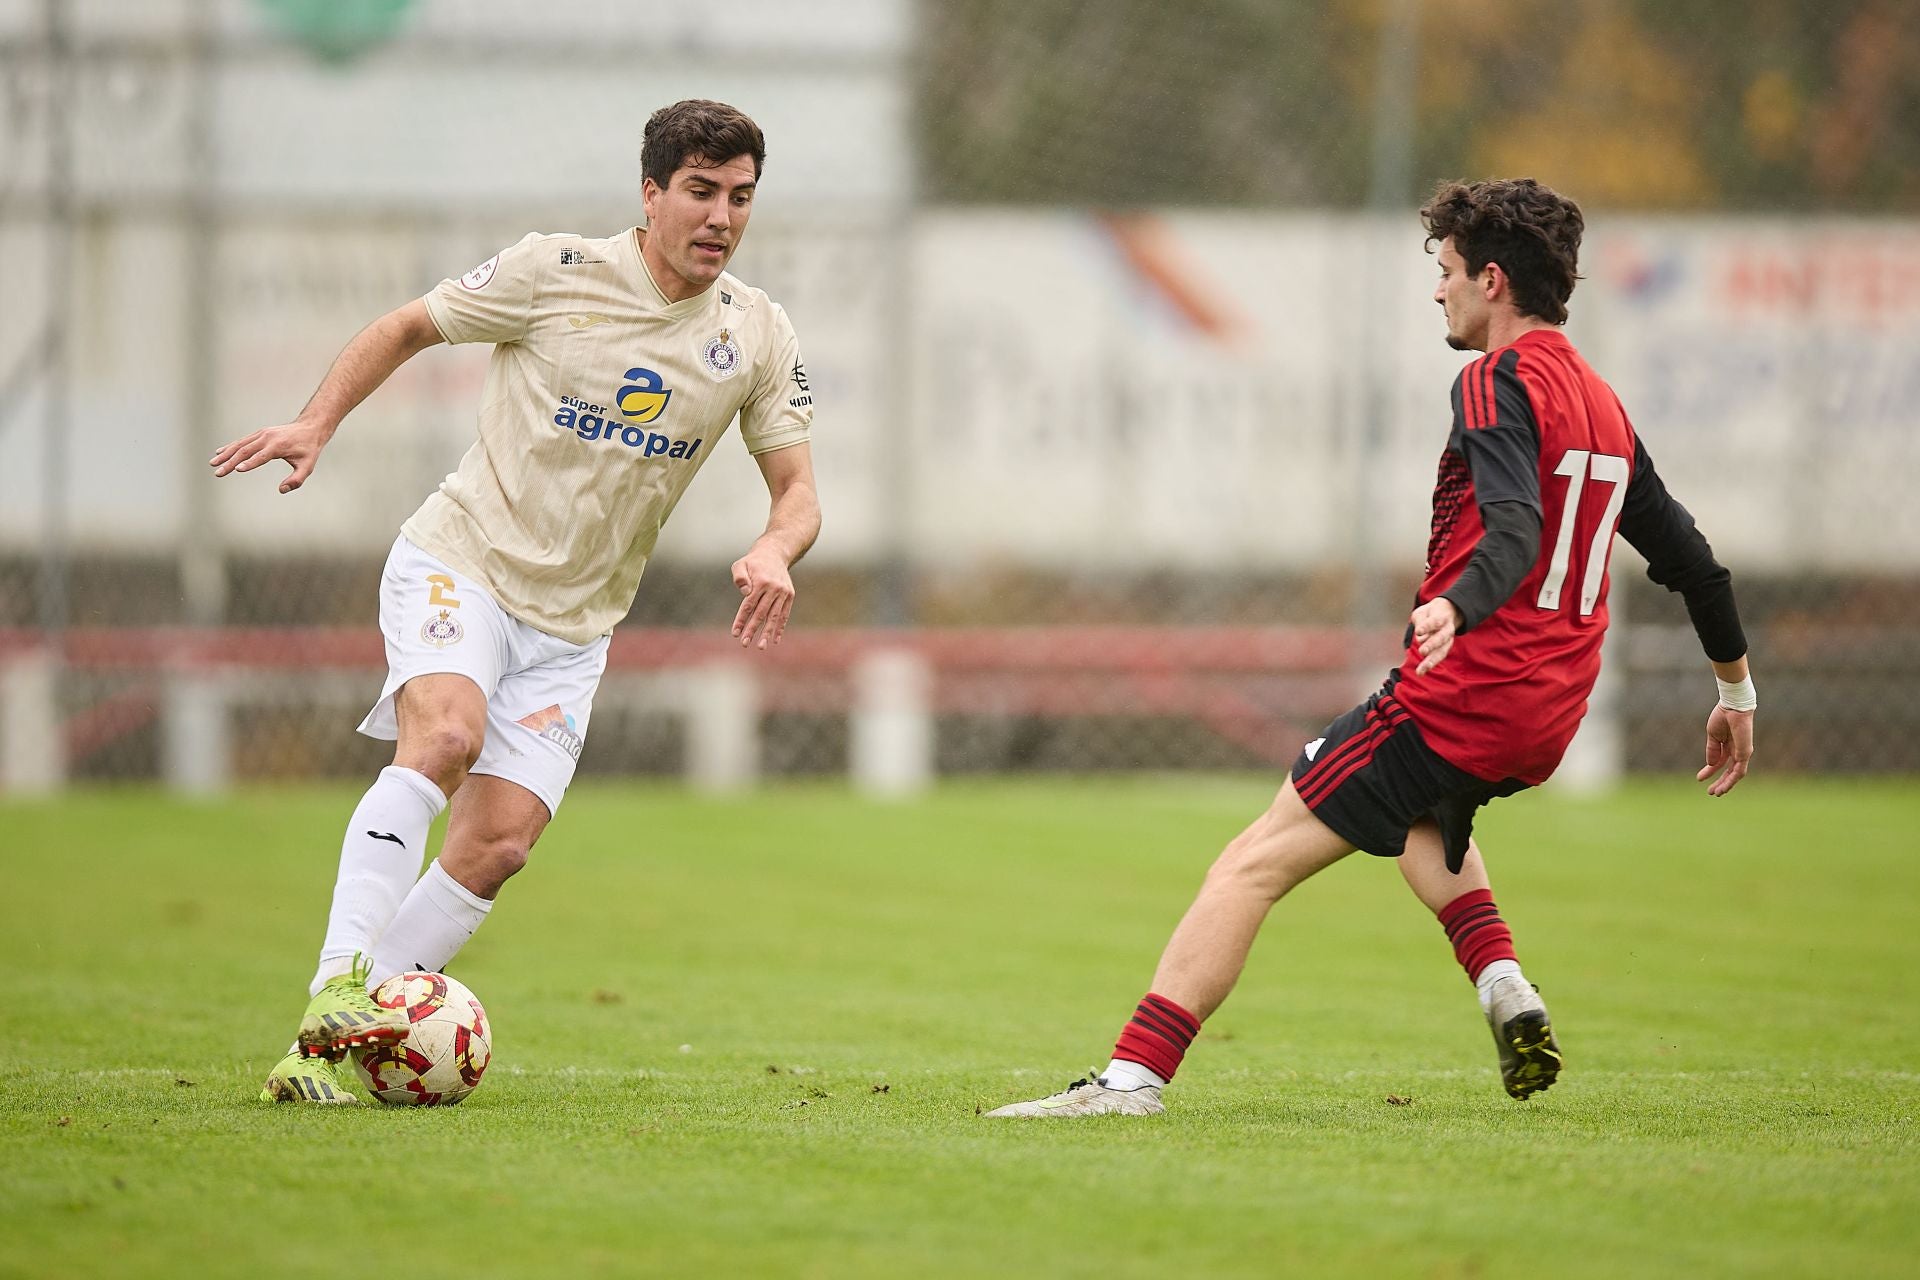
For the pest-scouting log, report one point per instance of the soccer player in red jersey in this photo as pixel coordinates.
(1540, 470)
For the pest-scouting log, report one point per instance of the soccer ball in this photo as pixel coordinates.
(446, 1050)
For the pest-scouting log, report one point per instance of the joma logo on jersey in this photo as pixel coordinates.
(645, 396)
(590, 422)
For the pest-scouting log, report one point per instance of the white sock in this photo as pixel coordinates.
(379, 861)
(1491, 974)
(435, 921)
(1124, 1075)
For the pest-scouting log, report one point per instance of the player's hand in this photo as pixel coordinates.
(766, 590)
(1729, 748)
(297, 444)
(1433, 627)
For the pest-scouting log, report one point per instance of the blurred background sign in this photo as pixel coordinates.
(338, 30)
(1129, 385)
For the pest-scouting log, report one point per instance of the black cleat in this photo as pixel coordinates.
(1529, 1055)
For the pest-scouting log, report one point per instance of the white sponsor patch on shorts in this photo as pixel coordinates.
(557, 727)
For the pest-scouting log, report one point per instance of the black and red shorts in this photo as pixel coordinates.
(1372, 776)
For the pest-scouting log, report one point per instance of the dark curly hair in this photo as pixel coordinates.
(698, 129)
(1530, 229)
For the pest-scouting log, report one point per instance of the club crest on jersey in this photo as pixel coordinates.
(442, 630)
(645, 396)
(721, 355)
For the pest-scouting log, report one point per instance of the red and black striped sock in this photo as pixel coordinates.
(1478, 934)
(1157, 1036)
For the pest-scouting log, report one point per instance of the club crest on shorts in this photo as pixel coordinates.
(442, 630)
(722, 355)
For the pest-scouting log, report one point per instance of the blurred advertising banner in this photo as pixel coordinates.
(1196, 389)
(1055, 389)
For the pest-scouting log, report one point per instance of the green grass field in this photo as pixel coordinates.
(751, 1038)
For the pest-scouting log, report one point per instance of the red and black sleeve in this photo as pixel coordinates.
(1500, 439)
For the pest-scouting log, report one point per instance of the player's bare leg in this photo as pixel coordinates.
(442, 723)
(1529, 1053)
(1278, 851)
(1202, 961)
(491, 828)
(1424, 867)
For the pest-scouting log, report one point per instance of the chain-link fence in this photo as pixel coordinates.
(1129, 390)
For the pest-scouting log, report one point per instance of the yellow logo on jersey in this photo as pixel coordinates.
(587, 320)
(645, 397)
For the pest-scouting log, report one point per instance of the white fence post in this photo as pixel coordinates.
(195, 737)
(891, 748)
(33, 749)
(723, 727)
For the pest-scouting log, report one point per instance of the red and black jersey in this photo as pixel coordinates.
(1532, 424)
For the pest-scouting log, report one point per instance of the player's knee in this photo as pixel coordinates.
(1254, 863)
(1281, 848)
(448, 749)
(507, 856)
(483, 866)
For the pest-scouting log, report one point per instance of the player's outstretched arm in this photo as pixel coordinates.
(763, 574)
(366, 362)
(1680, 559)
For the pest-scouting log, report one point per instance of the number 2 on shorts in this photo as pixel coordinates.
(441, 585)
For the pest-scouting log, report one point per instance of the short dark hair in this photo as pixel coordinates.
(1530, 229)
(698, 130)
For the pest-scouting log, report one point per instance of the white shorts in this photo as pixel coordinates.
(539, 688)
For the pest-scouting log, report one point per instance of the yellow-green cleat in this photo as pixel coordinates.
(343, 1016)
(299, 1078)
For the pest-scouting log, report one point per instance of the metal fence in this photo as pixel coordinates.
(1129, 390)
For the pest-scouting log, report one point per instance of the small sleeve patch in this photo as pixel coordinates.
(478, 278)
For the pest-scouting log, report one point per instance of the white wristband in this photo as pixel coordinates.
(1737, 697)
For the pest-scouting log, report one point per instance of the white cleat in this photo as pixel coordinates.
(1529, 1054)
(1088, 1096)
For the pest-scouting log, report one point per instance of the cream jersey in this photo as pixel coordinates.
(602, 400)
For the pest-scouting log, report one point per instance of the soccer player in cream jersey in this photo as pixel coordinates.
(617, 366)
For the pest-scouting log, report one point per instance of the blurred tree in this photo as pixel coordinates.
(1866, 131)
(1130, 103)
(1807, 105)
(338, 30)
(1747, 104)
